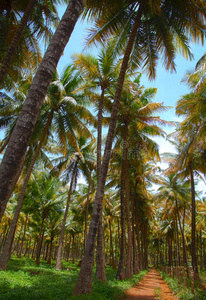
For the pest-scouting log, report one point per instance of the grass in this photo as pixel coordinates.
(183, 292)
(25, 280)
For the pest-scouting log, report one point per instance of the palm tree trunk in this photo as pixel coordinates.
(129, 265)
(193, 212)
(26, 121)
(50, 249)
(121, 272)
(39, 244)
(99, 133)
(84, 283)
(22, 242)
(61, 238)
(100, 256)
(86, 215)
(111, 245)
(177, 244)
(4, 258)
(138, 237)
(135, 257)
(17, 37)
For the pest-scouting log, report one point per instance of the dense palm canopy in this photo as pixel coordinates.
(41, 20)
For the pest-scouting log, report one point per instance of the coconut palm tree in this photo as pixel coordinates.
(98, 73)
(84, 199)
(135, 122)
(52, 224)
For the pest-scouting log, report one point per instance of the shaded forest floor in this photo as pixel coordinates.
(25, 280)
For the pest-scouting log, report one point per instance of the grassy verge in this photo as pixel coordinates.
(183, 292)
(25, 280)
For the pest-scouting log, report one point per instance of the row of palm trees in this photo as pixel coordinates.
(163, 232)
(142, 31)
(138, 122)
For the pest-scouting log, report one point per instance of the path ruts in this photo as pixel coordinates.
(152, 287)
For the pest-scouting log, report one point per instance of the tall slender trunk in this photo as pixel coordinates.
(138, 236)
(23, 238)
(84, 283)
(34, 248)
(111, 245)
(61, 238)
(135, 257)
(121, 271)
(99, 134)
(5, 255)
(193, 212)
(204, 254)
(18, 240)
(170, 251)
(17, 37)
(146, 246)
(177, 243)
(86, 215)
(26, 121)
(100, 256)
(39, 244)
(201, 256)
(129, 265)
(50, 249)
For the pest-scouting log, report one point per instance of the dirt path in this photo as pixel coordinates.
(151, 287)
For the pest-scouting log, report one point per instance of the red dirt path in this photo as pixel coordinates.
(151, 287)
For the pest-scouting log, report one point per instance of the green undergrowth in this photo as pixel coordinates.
(184, 292)
(25, 280)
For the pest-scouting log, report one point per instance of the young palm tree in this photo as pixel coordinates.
(52, 224)
(42, 191)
